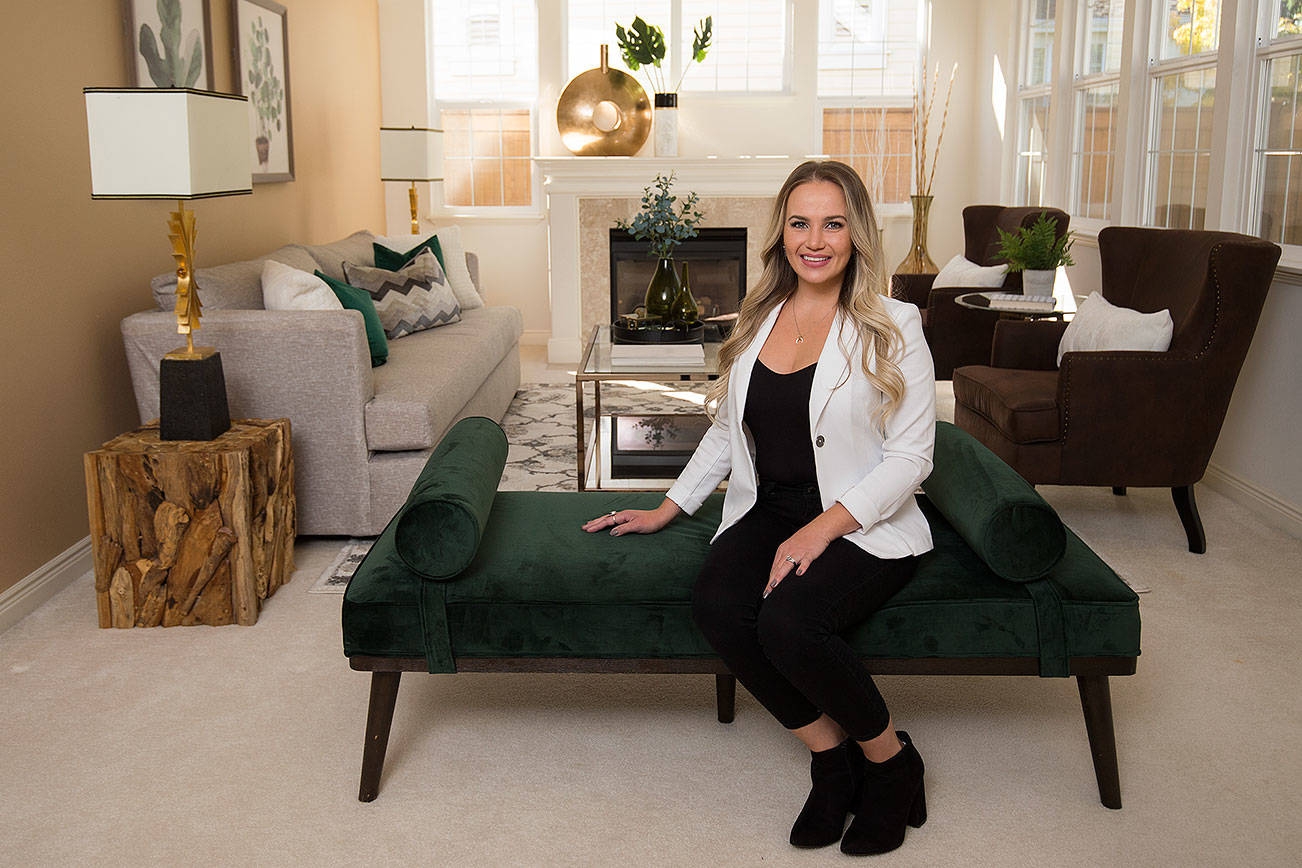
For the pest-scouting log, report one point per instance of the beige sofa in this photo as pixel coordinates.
(361, 435)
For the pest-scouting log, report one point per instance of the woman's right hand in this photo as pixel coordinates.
(622, 521)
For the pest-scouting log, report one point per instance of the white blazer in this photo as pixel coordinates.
(872, 477)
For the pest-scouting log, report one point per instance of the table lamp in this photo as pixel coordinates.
(411, 154)
(175, 143)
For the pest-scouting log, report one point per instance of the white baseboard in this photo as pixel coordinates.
(1278, 512)
(535, 337)
(44, 582)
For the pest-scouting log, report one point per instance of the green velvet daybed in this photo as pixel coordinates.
(468, 579)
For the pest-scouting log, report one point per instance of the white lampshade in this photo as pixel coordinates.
(411, 154)
(167, 143)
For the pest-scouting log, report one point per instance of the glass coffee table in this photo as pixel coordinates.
(634, 452)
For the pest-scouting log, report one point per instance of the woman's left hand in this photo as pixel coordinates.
(803, 547)
(796, 552)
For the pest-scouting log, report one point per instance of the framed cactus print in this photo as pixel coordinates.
(169, 43)
(261, 48)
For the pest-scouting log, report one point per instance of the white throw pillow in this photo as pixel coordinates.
(1101, 325)
(454, 255)
(288, 288)
(963, 272)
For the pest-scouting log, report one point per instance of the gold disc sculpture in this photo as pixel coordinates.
(603, 113)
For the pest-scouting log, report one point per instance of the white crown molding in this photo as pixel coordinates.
(44, 582)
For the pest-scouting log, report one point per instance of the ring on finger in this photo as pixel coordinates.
(791, 560)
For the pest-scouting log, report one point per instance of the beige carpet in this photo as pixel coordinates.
(242, 745)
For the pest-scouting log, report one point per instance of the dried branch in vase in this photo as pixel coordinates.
(922, 105)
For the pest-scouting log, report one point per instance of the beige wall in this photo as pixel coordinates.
(74, 267)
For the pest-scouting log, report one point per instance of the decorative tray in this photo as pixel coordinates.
(676, 333)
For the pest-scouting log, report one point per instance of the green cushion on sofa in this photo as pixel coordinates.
(439, 527)
(360, 300)
(997, 512)
(393, 260)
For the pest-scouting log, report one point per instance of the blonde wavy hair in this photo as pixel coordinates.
(862, 287)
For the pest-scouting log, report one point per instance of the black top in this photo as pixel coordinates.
(777, 413)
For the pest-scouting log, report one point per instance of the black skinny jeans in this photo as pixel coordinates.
(787, 650)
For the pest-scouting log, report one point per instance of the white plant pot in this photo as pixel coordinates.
(666, 124)
(1037, 282)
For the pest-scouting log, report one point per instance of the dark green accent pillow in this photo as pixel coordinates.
(440, 526)
(996, 512)
(392, 260)
(359, 299)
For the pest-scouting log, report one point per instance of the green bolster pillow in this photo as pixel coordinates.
(440, 526)
(997, 513)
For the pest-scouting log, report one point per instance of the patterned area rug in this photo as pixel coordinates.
(539, 428)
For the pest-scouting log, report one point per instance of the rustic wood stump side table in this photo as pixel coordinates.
(190, 531)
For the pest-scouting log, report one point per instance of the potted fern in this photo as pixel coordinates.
(1036, 251)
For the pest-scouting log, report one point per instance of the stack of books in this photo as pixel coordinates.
(658, 355)
(1016, 303)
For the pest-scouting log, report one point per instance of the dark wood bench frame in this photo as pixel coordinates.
(1091, 675)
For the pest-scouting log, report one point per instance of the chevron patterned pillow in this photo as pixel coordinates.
(413, 298)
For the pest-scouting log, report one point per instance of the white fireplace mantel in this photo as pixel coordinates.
(566, 180)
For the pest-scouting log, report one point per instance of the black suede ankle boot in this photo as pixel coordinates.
(836, 774)
(892, 797)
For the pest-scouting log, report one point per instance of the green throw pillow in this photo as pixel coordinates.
(353, 298)
(392, 260)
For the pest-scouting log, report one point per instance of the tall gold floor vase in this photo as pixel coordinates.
(918, 261)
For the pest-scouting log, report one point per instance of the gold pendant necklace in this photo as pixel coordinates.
(800, 335)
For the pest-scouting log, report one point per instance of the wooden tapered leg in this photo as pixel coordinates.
(725, 688)
(1096, 702)
(1193, 525)
(1119, 490)
(379, 717)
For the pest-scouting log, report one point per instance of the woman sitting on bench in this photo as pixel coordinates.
(834, 383)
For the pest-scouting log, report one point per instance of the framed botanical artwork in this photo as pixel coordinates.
(169, 43)
(261, 47)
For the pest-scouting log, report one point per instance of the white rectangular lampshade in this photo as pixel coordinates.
(167, 143)
(411, 154)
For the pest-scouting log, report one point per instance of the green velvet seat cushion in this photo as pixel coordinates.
(540, 587)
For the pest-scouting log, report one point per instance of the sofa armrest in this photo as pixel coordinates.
(472, 266)
(913, 288)
(1030, 345)
(1133, 397)
(313, 367)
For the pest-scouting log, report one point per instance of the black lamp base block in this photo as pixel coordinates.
(192, 399)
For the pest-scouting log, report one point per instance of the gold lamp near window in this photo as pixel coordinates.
(175, 143)
(411, 154)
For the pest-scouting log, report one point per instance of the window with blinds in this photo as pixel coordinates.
(868, 61)
(486, 84)
(1097, 118)
(748, 53)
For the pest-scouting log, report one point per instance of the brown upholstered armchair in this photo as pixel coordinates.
(1120, 419)
(959, 335)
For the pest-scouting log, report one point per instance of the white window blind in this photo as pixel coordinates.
(485, 50)
(868, 48)
(591, 24)
(748, 52)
